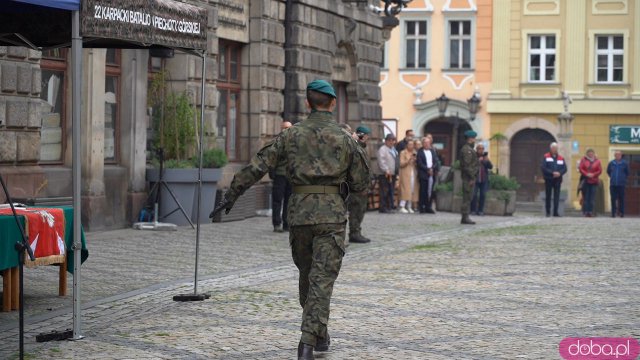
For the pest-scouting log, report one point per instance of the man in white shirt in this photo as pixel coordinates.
(387, 159)
(428, 167)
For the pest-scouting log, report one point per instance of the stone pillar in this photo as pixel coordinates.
(93, 190)
(133, 128)
(565, 133)
(576, 48)
(501, 49)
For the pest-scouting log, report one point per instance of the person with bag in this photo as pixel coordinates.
(591, 168)
(553, 168)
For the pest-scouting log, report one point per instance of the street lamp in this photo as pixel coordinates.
(443, 102)
(473, 103)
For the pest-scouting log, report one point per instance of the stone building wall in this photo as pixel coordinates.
(20, 121)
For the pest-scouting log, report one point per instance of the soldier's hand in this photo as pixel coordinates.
(225, 205)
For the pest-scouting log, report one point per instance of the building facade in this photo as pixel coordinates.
(588, 49)
(440, 47)
(261, 54)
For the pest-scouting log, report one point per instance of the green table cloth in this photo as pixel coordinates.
(10, 234)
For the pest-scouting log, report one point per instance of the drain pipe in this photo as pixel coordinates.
(289, 98)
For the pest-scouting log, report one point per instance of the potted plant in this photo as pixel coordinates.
(501, 197)
(175, 141)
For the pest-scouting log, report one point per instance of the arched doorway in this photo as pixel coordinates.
(447, 136)
(527, 148)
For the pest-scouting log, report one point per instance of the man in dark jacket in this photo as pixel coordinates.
(428, 166)
(408, 136)
(553, 168)
(482, 181)
(618, 171)
(280, 192)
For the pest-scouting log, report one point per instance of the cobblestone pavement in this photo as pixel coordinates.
(427, 288)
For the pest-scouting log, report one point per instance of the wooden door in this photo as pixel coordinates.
(632, 191)
(527, 149)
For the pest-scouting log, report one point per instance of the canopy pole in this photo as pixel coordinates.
(195, 296)
(76, 103)
(202, 103)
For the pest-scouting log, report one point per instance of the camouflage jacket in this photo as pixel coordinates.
(469, 163)
(316, 152)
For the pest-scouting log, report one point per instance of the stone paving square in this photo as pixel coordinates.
(426, 288)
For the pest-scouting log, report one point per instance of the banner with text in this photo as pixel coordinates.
(146, 22)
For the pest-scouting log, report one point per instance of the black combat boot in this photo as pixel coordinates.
(466, 220)
(322, 344)
(305, 352)
(357, 238)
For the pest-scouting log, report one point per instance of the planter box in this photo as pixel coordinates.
(444, 200)
(183, 183)
(495, 206)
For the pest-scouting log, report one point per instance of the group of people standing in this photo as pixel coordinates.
(415, 164)
(590, 167)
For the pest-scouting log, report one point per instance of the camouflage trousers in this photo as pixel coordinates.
(467, 189)
(317, 251)
(357, 207)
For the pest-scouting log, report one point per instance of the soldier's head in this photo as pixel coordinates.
(363, 133)
(321, 96)
(470, 135)
(553, 148)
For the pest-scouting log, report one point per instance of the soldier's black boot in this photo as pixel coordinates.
(357, 238)
(305, 352)
(322, 344)
(466, 220)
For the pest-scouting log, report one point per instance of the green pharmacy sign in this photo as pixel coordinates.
(624, 134)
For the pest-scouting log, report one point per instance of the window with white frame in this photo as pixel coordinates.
(460, 44)
(609, 58)
(416, 44)
(542, 58)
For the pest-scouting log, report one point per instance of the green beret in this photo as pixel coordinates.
(322, 86)
(470, 134)
(363, 130)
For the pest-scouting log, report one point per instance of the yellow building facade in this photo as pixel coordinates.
(440, 47)
(589, 49)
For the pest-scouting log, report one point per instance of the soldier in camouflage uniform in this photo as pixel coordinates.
(358, 201)
(469, 166)
(322, 160)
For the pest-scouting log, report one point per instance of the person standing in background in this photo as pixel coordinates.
(408, 179)
(428, 166)
(618, 171)
(386, 179)
(280, 192)
(590, 168)
(469, 166)
(553, 168)
(357, 202)
(402, 144)
(482, 181)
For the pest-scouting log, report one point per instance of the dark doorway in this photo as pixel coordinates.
(527, 149)
(446, 136)
(632, 191)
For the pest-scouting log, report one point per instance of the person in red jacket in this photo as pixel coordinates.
(590, 168)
